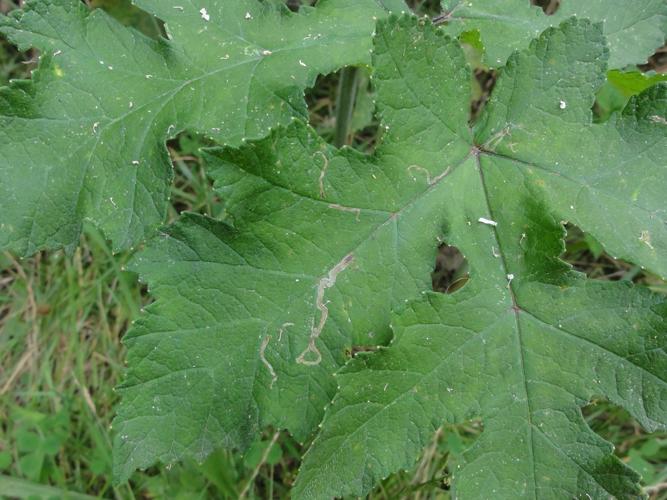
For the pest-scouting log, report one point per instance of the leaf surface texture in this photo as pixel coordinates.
(323, 249)
(84, 140)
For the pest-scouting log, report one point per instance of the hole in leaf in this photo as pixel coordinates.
(192, 189)
(657, 62)
(14, 65)
(587, 255)
(548, 6)
(129, 15)
(425, 7)
(351, 352)
(484, 80)
(295, 5)
(323, 104)
(321, 99)
(451, 270)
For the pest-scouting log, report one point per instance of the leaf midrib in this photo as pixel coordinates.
(518, 310)
(517, 324)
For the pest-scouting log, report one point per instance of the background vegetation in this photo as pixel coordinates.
(62, 318)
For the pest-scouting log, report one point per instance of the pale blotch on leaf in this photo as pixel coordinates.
(326, 282)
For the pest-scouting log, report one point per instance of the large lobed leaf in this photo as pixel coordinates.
(527, 341)
(237, 307)
(252, 319)
(84, 140)
(633, 29)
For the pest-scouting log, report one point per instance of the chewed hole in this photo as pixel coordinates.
(363, 124)
(425, 7)
(192, 189)
(351, 352)
(295, 5)
(484, 80)
(451, 270)
(588, 256)
(548, 6)
(657, 62)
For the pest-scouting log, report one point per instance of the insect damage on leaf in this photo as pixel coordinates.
(524, 344)
(84, 140)
(505, 348)
(328, 242)
(311, 355)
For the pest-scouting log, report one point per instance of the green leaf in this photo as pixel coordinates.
(527, 341)
(6, 460)
(524, 361)
(84, 140)
(323, 247)
(619, 87)
(634, 29)
(248, 326)
(651, 448)
(27, 441)
(608, 179)
(31, 464)
(258, 449)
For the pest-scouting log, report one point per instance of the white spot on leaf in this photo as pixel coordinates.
(488, 222)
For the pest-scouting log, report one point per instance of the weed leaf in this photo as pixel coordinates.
(84, 140)
(323, 250)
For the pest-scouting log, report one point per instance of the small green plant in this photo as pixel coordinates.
(306, 303)
(39, 438)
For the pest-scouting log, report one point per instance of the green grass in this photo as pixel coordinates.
(62, 318)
